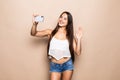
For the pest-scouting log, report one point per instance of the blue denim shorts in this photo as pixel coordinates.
(55, 67)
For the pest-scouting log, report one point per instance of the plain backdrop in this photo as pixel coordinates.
(23, 57)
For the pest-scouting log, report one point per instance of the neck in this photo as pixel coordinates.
(62, 29)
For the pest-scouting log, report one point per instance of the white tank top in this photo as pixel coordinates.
(59, 48)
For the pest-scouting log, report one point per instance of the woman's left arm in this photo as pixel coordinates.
(77, 42)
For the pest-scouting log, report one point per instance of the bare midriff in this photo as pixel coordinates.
(61, 61)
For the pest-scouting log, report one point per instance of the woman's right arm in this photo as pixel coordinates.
(41, 33)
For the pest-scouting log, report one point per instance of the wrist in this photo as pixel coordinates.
(78, 39)
(35, 23)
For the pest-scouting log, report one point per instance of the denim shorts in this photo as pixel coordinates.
(55, 67)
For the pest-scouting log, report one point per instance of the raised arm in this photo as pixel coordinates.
(77, 42)
(41, 33)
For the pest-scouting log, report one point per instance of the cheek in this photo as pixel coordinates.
(59, 20)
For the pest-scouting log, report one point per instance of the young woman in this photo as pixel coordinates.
(62, 46)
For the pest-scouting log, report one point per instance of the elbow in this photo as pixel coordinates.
(32, 34)
(78, 53)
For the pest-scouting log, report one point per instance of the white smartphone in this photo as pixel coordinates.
(39, 18)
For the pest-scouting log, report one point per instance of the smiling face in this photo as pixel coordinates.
(63, 20)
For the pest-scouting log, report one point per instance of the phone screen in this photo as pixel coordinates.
(39, 18)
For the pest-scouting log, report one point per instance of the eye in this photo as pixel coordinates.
(65, 18)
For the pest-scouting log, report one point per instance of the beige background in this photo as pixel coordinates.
(23, 57)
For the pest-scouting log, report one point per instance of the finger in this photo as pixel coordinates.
(79, 31)
(35, 14)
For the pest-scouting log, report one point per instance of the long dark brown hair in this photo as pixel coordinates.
(70, 33)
